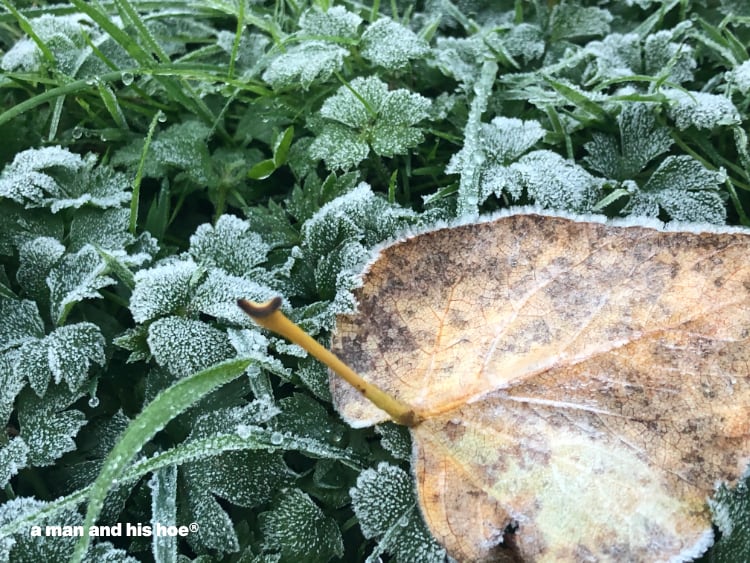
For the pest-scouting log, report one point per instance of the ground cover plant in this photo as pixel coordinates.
(161, 160)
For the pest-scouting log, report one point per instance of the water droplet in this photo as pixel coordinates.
(91, 81)
(162, 117)
(277, 438)
(94, 402)
(77, 132)
(127, 78)
(403, 522)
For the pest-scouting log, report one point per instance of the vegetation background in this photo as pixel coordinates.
(162, 159)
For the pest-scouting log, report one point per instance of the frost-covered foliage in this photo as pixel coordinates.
(157, 165)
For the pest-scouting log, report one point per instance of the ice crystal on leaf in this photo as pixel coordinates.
(74, 278)
(685, 189)
(63, 355)
(13, 458)
(384, 502)
(21, 323)
(104, 228)
(46, 426)
(300, 531)
(375, 116)
(569, 21)
(335, 22)
(391, 45)
(56, 178)
(701, 110)
(161, 290)
(304, 64)
(641, 140)
(229, 245)
(740, 76)
(185, 346)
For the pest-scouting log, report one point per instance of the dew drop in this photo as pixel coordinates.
(277, 438)
(162, 117)
(127, 78)
(77, 132)
(94, 402)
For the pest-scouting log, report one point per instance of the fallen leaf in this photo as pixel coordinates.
(584, 385)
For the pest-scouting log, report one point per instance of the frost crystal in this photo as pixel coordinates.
(741, 77)
(12, 459)
(336, 22)
(381, 118)
(27, 178)
(384, 502)
(21, 323)
(641, 140)
(701, 110)
(161, 290)
(391, 45)
(299, 530)
(229, 245)
(304, 64)
(63, 355)
(185, 346)
(569, 21)
(685, 189)
(74, 278)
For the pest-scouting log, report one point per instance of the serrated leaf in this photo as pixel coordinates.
(300, 531)
(229, 245)
(384, 119)
(74, 278)
(304, 64)
(37, 257)
(29, 177)
(23, 225)
(106, 229)
(161, 290)
(21, 323)
(569, 21)
(701, 110)
(185, 346)
(556, 183)
(641, 140)
(10, 384)
(13, 458)
(99, 187)
(218, 292)
(335, 22)
(384, 502)
(391, 45)
(63, 355)
(46, 426)
(685, 189)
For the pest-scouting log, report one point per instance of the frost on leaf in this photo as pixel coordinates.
(335, 22)
(20, 323)
(701, 110)
(299, 530)
(335, 240)
(11, 385)
(30, 176)
(731, 514)
(13, 458)
(385, 504)
(524, 41)
(501, 142)
(385, 121)
(36, 258)
(46, 426)
(185, 346)
(74, 278)
(740, 76)
(218, 292)
(556, 183)
(391, 45)
(685, 189)
(161, 290)
(229, 245)
(104, 228)
(56, 178)
(615, 56)
(570, 21)
(310, 61)
(641, 140)
(22, 225)
(63, 355)
(664, 52)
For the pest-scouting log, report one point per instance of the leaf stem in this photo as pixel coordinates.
(270, 317)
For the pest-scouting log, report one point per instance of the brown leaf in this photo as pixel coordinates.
(585, 383)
